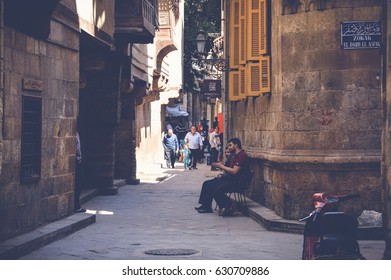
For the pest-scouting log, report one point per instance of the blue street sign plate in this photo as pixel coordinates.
(360, 35)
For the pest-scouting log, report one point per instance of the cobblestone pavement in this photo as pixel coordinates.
(160, 215)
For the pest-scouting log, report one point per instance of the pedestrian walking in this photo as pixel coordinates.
(171, 148)
(193, 139)
(186, 156)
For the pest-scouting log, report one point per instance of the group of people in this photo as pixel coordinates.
(191, 148)
(235, 167)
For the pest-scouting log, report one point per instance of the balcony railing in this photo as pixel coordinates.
(136, 20)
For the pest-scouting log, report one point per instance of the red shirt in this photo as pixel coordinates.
(239, 159)
(242, 160)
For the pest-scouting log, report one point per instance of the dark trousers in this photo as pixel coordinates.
(214, 153)
(222, 200)
(194, 157)
(170, 157)
(209, 190)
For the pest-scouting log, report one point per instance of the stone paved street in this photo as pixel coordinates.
(161, 215)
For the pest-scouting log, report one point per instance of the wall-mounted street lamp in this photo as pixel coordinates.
(201, 40)
(210, 60)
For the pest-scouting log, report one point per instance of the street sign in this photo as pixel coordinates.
(360, 35)
(211, 88)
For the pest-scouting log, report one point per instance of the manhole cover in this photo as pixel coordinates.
(171, 252)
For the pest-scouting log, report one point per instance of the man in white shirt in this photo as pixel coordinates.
(193, 139)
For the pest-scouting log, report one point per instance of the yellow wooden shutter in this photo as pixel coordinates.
(253, 78)
(253, 24)
(234, 35)
(265, 74)
(242, 82)
(233, 92)
(242, 31)
(263, 27)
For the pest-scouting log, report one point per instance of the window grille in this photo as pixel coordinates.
(31, 139)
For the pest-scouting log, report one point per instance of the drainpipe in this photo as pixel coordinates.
(1, 81)
(386, 141)
(224, 86)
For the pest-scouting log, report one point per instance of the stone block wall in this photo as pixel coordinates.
(320, 129)
(55, 65)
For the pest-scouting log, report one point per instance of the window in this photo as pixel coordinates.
(31, 139)
(249, 51)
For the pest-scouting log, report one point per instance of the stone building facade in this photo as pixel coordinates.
(89, 66)
(164, 78)
(40, 93)
(319, 127)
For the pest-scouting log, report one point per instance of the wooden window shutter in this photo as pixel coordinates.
(234, 35)
(263, 27)
(233, 92)
(265, 74)
(253, 36)
(253, 79)
(242, 82)
(242, 31)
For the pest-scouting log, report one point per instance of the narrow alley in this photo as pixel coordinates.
(160, 217)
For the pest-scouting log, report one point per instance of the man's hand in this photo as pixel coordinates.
(217, 164)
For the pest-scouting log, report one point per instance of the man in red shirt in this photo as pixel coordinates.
(218, 187)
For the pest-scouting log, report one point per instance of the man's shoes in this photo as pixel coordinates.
(199, 208)
(205, 210)
(80, 210)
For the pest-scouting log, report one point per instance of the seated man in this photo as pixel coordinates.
(206, 196)
(238, 169)
(216, 188)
